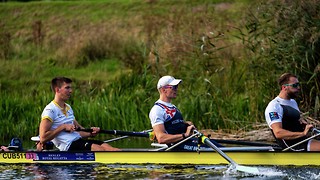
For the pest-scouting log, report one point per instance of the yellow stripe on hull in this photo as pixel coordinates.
(212, 158)
(143, 157)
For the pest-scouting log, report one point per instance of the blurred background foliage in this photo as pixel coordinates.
(228, 53)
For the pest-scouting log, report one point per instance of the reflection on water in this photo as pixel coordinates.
(148, 171)
(43, 171)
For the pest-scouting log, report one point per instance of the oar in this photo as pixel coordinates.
(311, 137)
(248, 143)
(123, 137)
(123, 133)
(175, 145)
(115, 139)
(247, 169)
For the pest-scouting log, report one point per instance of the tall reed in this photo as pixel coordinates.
(228, 61)
(283, 37)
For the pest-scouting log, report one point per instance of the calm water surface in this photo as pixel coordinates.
(148, 171)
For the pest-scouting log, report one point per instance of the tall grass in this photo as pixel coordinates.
(282, 36)
(117, 51)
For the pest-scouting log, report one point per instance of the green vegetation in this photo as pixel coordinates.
(228, 53)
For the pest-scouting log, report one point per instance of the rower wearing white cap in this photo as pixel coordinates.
(166, 119)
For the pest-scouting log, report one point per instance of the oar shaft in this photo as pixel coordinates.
(242, 142)
(121, 133)
(207, 141)
(123, 137)
(115, 139)
(184, 140)
(246, 169)
(125, 133)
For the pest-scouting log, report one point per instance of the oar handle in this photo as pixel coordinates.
(122, 133)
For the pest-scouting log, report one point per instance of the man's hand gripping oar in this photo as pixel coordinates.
(314, 130)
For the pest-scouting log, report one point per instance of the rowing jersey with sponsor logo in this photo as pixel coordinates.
(286, 112)
(58, 116)
(168, 115)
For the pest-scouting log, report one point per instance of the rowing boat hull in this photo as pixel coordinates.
(153, 157)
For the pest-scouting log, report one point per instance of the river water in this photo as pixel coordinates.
(148, 171)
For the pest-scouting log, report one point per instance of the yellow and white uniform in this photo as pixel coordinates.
(58, 116)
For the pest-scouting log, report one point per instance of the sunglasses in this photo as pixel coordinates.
(295, 85)
(172, 87)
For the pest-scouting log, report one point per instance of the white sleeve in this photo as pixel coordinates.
(48, 113)
(273, 113)
(157, 115)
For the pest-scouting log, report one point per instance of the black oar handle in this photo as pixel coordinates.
(121, 133)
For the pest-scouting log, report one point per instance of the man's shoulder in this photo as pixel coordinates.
(50, 108)
(275, 100)
(164, 104)
(274, 104)
(285, 102)
(51, 105)
(156, 107)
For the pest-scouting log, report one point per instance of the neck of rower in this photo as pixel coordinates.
(60, 102)
(165, 98)
(284, 95)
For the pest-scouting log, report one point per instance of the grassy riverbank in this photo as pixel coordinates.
(115, 51)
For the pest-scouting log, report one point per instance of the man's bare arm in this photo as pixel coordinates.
(47, 135)
(281, 133)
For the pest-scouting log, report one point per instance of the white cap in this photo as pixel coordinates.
(167, 80)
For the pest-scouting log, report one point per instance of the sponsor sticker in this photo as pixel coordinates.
(273, 116)
(65, 156)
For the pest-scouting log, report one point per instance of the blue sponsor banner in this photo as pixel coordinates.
(65, 156)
